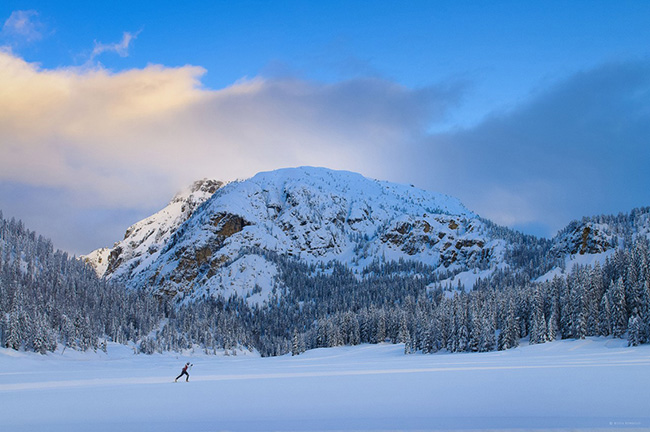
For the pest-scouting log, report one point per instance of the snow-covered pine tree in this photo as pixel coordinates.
(295, 344)
(605, 318)
(634, 330)
(619, 308)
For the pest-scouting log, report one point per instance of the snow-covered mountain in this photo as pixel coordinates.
(219, 239)
(315, 215)
(144, 239)
(309, 257)
(593, 239)
(599, 234)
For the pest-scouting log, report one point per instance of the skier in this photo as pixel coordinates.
(187, 367)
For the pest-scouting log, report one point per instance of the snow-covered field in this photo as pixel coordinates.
(590, 384)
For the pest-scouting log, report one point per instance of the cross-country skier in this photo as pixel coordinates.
(184, 372)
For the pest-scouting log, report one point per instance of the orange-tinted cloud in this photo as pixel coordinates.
(136, 136)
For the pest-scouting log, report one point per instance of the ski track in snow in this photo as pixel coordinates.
(237, 377)
(596, 383)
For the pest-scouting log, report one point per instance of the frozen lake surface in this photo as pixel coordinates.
(589, 384)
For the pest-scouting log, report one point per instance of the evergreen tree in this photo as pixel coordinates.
(509, 336)
(538, 321)
(619, 309)
(13, 338)
(381, 327)
(295, 346)
(487, 340)
(605, 321)
(634, 333)
(552, 327)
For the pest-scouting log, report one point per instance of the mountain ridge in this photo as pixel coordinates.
(198, 244)
(314, 214)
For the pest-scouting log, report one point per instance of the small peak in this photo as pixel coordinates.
(205, 186)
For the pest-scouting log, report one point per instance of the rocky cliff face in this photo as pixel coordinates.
(594, 239)
(585, 237)
(599, 234)
(314, 215)
(143, 240)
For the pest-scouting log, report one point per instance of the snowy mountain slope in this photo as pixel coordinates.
(585, 237)
(597, 234)
(98, 259)
(143, 240)
(593, 239)
(315, 215)
(212, 239)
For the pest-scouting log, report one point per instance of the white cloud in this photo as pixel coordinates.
(132, 139)
(127, 141)
(120, 48)
(23, 24)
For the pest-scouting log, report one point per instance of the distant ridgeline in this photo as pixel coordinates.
(385, 279)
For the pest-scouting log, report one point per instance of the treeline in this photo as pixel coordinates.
(331, 307)
(48, 298)
(608, 300)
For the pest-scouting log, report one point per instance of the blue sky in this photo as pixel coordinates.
(503, 49)
(531, 113)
